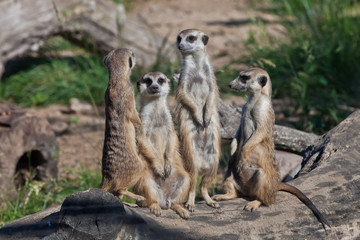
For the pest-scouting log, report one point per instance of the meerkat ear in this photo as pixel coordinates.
(130, 62)
(205, 39)
(105, 60)
(262, 81)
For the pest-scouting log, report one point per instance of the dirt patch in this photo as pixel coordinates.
(80, 136)
(226, 22)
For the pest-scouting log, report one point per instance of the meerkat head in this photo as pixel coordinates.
(252, 80)
(154, 84)
(191, 40)
(120, 60)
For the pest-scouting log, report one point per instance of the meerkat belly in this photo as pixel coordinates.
(158, 139)
(157, 131)
(199, 89)
(204, 146)
(248, 129)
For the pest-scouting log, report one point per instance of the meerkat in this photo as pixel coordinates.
(199, 127)
(124, 140)
(253, 169)
(159, 129)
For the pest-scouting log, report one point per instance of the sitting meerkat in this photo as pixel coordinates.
(159, 129)
(199, 126)
(253, 170)
(124, 140)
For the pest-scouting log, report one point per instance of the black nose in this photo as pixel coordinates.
(229, 85)
(155, 87)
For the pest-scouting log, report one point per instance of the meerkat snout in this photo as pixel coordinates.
(154, 88)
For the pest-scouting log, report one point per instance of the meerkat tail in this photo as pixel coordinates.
(301, 196)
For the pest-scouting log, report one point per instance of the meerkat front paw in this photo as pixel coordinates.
(159, 171)
(155, 209)
(207, 122)
(199, 123)
(233, 147)
(167, 169)
(176, 77)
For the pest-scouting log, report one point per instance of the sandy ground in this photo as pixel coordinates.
(226, 22)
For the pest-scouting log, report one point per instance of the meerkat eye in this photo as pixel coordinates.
(161, 81)
(191, 38)
(148, 81)
(130, 62)
(178, 40)
(244, 78)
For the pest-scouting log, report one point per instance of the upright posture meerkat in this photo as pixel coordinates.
(253, 170)
(124, 140)
(159, 129)
(199, 128)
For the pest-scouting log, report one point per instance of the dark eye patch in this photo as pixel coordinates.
(244, 78)
(191, 38)
(178, 40)
(148, 81)
(161, 81)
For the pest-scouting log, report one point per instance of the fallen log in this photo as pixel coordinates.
(97, 25)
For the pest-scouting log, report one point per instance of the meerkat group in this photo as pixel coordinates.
(145, 152)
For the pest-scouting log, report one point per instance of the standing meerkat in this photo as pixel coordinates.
(253, 170)
(159, 129)
(199, 126)
(124, 141)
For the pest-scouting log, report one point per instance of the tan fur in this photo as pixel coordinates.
(199, 126)
(158, 127)
(121, 164)
(253, 170)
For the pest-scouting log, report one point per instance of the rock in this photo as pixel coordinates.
(78, 106)
(27, 144)
(35, 226)
(344, 139)
(95, 213)
(289, 163)
(92, 214)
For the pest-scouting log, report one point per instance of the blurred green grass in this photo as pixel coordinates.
(35, 196)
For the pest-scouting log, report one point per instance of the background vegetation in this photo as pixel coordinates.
(316, 67)
(35, 196)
